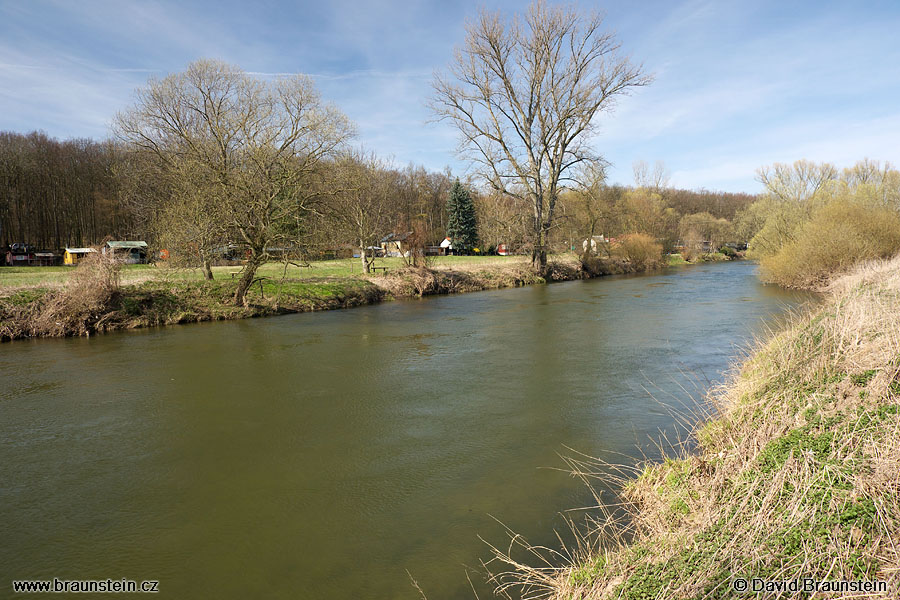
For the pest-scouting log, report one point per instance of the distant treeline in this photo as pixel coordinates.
(54, 194)
(77, 192)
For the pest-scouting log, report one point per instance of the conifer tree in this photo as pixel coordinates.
(462, 226)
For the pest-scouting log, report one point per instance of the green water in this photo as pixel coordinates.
(326, 455)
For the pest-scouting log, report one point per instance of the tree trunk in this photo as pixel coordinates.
(539, 260)
(240, 294)
(539, 253)
(207, 270)
(362, 254)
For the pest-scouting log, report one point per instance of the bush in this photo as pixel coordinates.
(78, 308)
(689, 254)
(838, 235)
(728, 251)
(641, 250)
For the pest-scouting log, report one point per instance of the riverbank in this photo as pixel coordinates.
(798, 477)
(46, 305)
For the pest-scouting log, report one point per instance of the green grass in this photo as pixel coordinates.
(151, 295)
(15, 278)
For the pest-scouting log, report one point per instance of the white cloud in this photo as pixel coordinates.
(738, 85)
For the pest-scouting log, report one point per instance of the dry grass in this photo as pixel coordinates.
(420, 282)
(797, 477)
(79, 306)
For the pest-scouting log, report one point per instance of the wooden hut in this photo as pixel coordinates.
(73, 255)
(131, 253)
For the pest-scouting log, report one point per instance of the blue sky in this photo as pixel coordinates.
(738, 84)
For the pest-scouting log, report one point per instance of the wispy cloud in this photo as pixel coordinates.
(738, 85)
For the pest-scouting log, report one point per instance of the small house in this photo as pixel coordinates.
(395, 244)
(73, 255)
(594, 243)
(131, 253)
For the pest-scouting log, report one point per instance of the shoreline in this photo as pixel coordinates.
(794, 477)
(159, 302)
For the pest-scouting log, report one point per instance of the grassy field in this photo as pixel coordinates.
(64, 301)
(15, 278)
(797, 477)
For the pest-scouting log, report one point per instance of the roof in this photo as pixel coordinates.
(80, 250)
(396, 237)
(127, 244)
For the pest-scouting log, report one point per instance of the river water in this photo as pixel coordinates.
(334, 455)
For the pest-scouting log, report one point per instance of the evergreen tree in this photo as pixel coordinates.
(462, 227)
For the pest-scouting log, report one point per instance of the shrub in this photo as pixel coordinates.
(838, 235)
(78, 307)
(728, 251)
(641, 250)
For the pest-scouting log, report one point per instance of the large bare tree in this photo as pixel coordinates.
(252, 144)
(525, 94)
(798, 182)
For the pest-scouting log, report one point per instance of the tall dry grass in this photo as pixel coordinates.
(797, 476)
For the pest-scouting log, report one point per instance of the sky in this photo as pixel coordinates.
(737, 84)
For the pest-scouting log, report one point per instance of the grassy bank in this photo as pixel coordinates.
(798, 475)
(43, 302)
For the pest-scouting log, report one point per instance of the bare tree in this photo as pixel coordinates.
(362, 205)
(593, 206)
(251, 144)
(656, 180)
(798, 182)
(524, 96)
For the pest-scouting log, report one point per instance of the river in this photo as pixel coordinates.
(334, 455)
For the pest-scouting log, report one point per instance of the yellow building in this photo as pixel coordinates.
(73, 255)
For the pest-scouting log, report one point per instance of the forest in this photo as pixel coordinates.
(79, 192)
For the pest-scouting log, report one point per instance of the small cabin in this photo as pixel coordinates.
(44, 259)
(395, 244)
(73, 255)
(130, 253)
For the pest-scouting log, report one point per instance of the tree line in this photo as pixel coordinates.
(214, 162)
(77, 192)
(815, 220)
(54, 194)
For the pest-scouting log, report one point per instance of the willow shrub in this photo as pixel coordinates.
(838, 235)
(641, 250)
